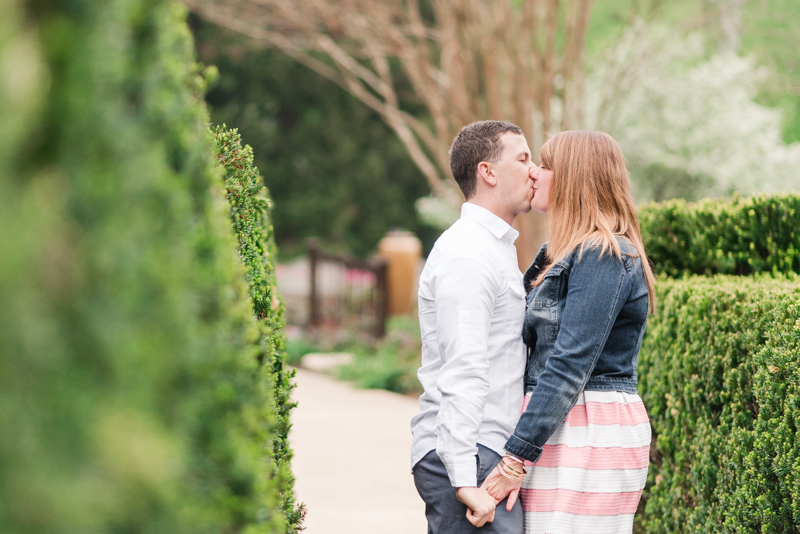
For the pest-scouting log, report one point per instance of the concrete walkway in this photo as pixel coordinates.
(351, 458)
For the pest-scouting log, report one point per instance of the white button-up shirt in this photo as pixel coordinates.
(471, 309)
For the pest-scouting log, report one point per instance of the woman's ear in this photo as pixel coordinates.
(487, 174)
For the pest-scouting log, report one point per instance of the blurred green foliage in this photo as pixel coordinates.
(740, 236)
(249, 212)
(298, 347)
(771, 32)
(719, 372)
(131, 394)
(390, 363)
(609, 18)
(333, 168)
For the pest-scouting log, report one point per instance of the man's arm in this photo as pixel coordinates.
(465, 291)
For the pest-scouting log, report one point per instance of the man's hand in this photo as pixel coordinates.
(480, 505)
(499, 487)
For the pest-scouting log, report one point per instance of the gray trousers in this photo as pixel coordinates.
(445, 513)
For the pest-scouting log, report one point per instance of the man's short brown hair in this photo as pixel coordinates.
(477, 142)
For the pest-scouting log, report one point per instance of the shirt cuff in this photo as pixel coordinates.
(523, 449)
(462, 472)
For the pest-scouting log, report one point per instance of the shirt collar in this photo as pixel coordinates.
(497, 226)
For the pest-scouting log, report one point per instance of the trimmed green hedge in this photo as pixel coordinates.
(249, 211)
(131, 397)
(738, 236)
(719, 372)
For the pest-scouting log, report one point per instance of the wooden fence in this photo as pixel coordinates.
(358, 298)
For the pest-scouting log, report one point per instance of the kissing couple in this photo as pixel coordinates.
(530, 420)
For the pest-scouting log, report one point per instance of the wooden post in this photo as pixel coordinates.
(381, 296)
(402, 251)
(314, 315)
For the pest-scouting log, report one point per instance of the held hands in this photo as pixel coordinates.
(505, 481)
(480, 505)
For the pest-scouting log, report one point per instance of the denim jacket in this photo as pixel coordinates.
(583, 327)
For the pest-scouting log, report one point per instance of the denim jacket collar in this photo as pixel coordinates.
(536, 267)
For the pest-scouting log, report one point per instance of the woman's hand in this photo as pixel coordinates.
(498, 486)
(480, 506)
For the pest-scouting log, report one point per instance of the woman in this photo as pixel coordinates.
(584, 428)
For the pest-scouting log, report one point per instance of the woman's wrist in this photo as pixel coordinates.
(515, 463)
(513, 473)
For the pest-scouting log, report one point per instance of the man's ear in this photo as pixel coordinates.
(487, 174)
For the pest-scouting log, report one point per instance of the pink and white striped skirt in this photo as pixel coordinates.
(592, 470)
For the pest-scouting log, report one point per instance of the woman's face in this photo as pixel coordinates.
(542, 180)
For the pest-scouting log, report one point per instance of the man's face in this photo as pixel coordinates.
(514, 172)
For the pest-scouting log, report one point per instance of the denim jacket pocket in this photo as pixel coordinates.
(549, 289)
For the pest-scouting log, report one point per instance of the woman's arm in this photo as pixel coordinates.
(598, 288)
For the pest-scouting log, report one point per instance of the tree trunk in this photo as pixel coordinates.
(531, 227)
(464, 60)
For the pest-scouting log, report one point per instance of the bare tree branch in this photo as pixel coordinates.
(467, 60)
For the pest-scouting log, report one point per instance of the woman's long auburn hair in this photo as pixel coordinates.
(590, 199)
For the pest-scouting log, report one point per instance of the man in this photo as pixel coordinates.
(471, 309)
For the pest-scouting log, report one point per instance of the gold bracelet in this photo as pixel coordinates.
(518, 473)
(521, 462)
(507, 475)
(510, 469)
(515, 478)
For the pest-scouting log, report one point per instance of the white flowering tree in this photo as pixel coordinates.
(688, 123)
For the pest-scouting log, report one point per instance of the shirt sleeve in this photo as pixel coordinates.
(598, 288)
(465, 293)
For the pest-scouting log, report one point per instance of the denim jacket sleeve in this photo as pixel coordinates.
(597, 290)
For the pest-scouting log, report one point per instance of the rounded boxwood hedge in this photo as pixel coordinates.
(719, 372)
(718, 369)
(739, 236)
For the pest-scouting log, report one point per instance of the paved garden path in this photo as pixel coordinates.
(351, 458)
